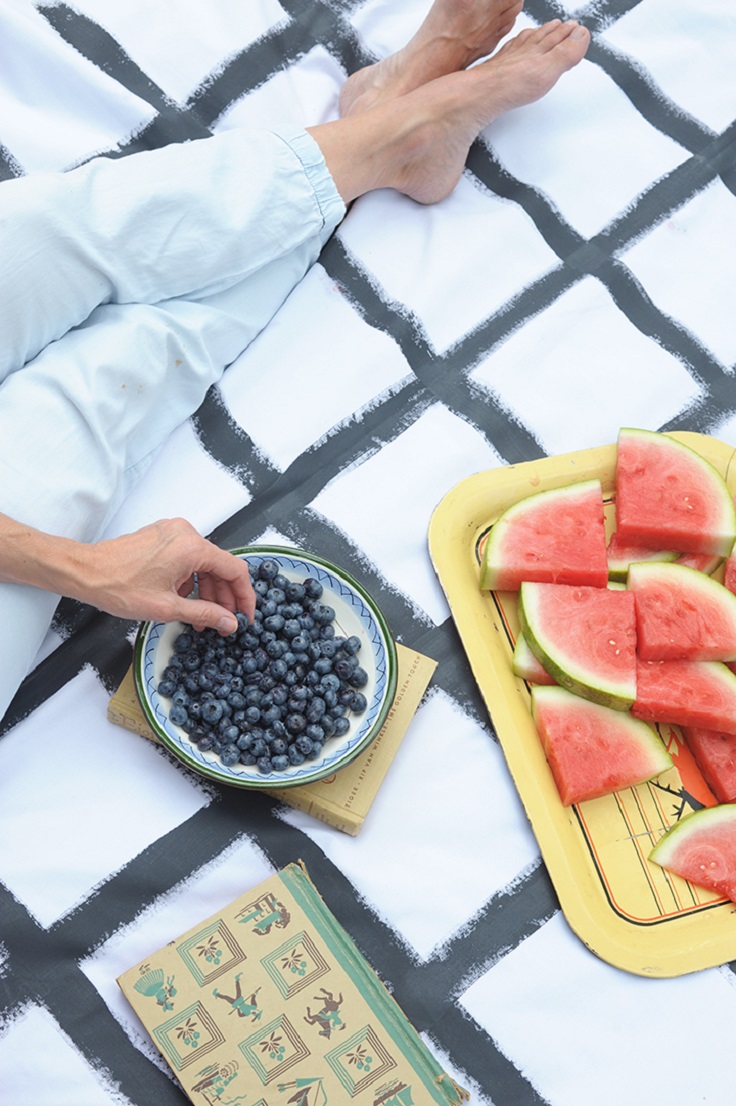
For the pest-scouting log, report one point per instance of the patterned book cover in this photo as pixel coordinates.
(269, 1003)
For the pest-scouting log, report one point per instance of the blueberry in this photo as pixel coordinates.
(280, 581)
(295, 723)
(212, 711)
(260, 587)
(278, 747)
(322, 614)
(264, 765)
(304, 744)
(230, 755)
(291, 628)
(231, 734)
(259, 748)
(315, 751)
(276, 595)
(315, 733)
(183, 642)
(312, 588)
(268, 570)
(342, 725)
(358, 702)
(178, 715)
(205, 743)
(345, 666)
(358, 678)
(247, 758)
(191, 661)
(300, 643)
(352, 645)
(280, 763)
(166, 688)
(278, 668)
(295, 757)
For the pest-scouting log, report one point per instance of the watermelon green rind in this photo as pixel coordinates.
(554, 535)
(526, 666)
(621, 556)
(593, 750)
(702, 849)
(587, 656)
(682, 614)
(668, 496)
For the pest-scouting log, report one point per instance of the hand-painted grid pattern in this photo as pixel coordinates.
(42, 965)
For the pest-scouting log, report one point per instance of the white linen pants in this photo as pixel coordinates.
(126, 288)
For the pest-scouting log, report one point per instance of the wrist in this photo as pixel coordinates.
(46, 561)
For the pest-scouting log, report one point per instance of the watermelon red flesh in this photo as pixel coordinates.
(553, 536)
(592, 750)
(669, 497)
(702, 849)
(584, 637)
(682, 614)
(714, 753)
(686, 693)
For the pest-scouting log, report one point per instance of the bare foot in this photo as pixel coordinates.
(460, 105)
(418, 144)
(454, 34)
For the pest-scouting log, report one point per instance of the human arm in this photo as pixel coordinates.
(144, 575)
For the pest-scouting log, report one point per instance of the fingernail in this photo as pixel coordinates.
(227, 625)
(579, 32)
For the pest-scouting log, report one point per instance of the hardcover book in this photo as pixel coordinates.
(270, 1003)
(344, 798)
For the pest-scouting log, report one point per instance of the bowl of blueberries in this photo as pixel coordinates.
(287, 699)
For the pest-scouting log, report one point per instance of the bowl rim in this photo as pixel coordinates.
(275, 781)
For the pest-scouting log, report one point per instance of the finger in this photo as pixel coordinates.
(202, 615)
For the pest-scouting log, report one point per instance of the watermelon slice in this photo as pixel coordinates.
(686, 693)
(584, 637)
(729, 572)
(591, 749)
(702, 849)
(526, 666)
(714, 753)
(552, 536)
(703, 562)
(682, 614)
(669, 497)
(621, 556)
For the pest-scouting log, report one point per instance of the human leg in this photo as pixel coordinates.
(186, 220)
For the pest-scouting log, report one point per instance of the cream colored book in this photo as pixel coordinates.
(270, 1003)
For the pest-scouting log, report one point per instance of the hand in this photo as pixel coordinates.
(150, 573)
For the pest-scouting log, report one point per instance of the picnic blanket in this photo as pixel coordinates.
(578, 279)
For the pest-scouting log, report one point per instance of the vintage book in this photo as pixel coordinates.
(344, 798)
(269, 1003)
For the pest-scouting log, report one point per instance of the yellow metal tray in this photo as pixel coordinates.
(629, 912)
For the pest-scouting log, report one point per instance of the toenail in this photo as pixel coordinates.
(579, 32)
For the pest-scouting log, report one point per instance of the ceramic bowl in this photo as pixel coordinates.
(356, 613)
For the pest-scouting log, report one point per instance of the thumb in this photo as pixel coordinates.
(201, 615)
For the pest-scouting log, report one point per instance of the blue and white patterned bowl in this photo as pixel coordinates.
(355, 613)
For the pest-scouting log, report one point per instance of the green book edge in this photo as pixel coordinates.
(443, 1089)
